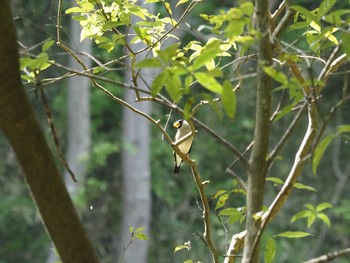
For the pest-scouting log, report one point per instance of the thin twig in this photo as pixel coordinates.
(330, 256)
(51, 123)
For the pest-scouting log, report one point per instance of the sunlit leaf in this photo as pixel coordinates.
(181, 247)
(275, 180)
(168, 8)
(208, 82)
(247, 8)
(324, 218)
(141, 236)
(304, 187)
(218, 193)
(222, 201)
(293, 234)
(181, 2)
(323, 206)
(75, 9)
(310, 220)
(300, 215)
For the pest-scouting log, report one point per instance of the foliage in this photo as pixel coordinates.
(217, 68)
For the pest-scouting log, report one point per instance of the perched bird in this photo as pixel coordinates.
(183, 130)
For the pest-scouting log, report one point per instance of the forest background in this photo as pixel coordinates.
(132, 206)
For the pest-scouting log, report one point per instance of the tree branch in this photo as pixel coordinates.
(258, 166)
(22, 130)
(330, 256)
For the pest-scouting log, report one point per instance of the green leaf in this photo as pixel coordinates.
(111, 24)
(276, 75)
(270, 250)
(343, 128)
(304, 12)
(324, 218)
(141, 236)
(75, 9)
(218, 193)
(323, 206)
(140, 229)
(222, 201)
(247, 8)
(178, 248)
(233, 214)
(274, 180)
(299, 25)
(300, 215)
(287, 109)
(173, 86)
(325, 6)
(181, 2)
(319, 151)
(47, 45)
(311, 220)
(228, 211)
(149, 63)
(208, 82)
(169, 53)
(229, 99)
(158, 83)
(208, 53)
(310, 207)
(304, 187)
(168, 8)
(293, 234)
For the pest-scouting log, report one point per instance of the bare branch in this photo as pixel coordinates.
(330, 256)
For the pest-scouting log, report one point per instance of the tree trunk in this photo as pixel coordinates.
(78, 98)
(136, 170)
(257, 168)
(22, 130)
(136, 179)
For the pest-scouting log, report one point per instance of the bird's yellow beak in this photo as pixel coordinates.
(177, 124)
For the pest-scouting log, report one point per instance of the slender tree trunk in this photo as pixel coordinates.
(136, 179)
(257, 167)
(22, 130)
(136, 170)
(78, 98)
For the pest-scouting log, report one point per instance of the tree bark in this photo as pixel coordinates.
(257, 162)
(136, 168)
(22, 130)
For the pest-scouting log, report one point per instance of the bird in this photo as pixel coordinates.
(183, 130)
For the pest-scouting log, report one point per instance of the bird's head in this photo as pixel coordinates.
(178, 124)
